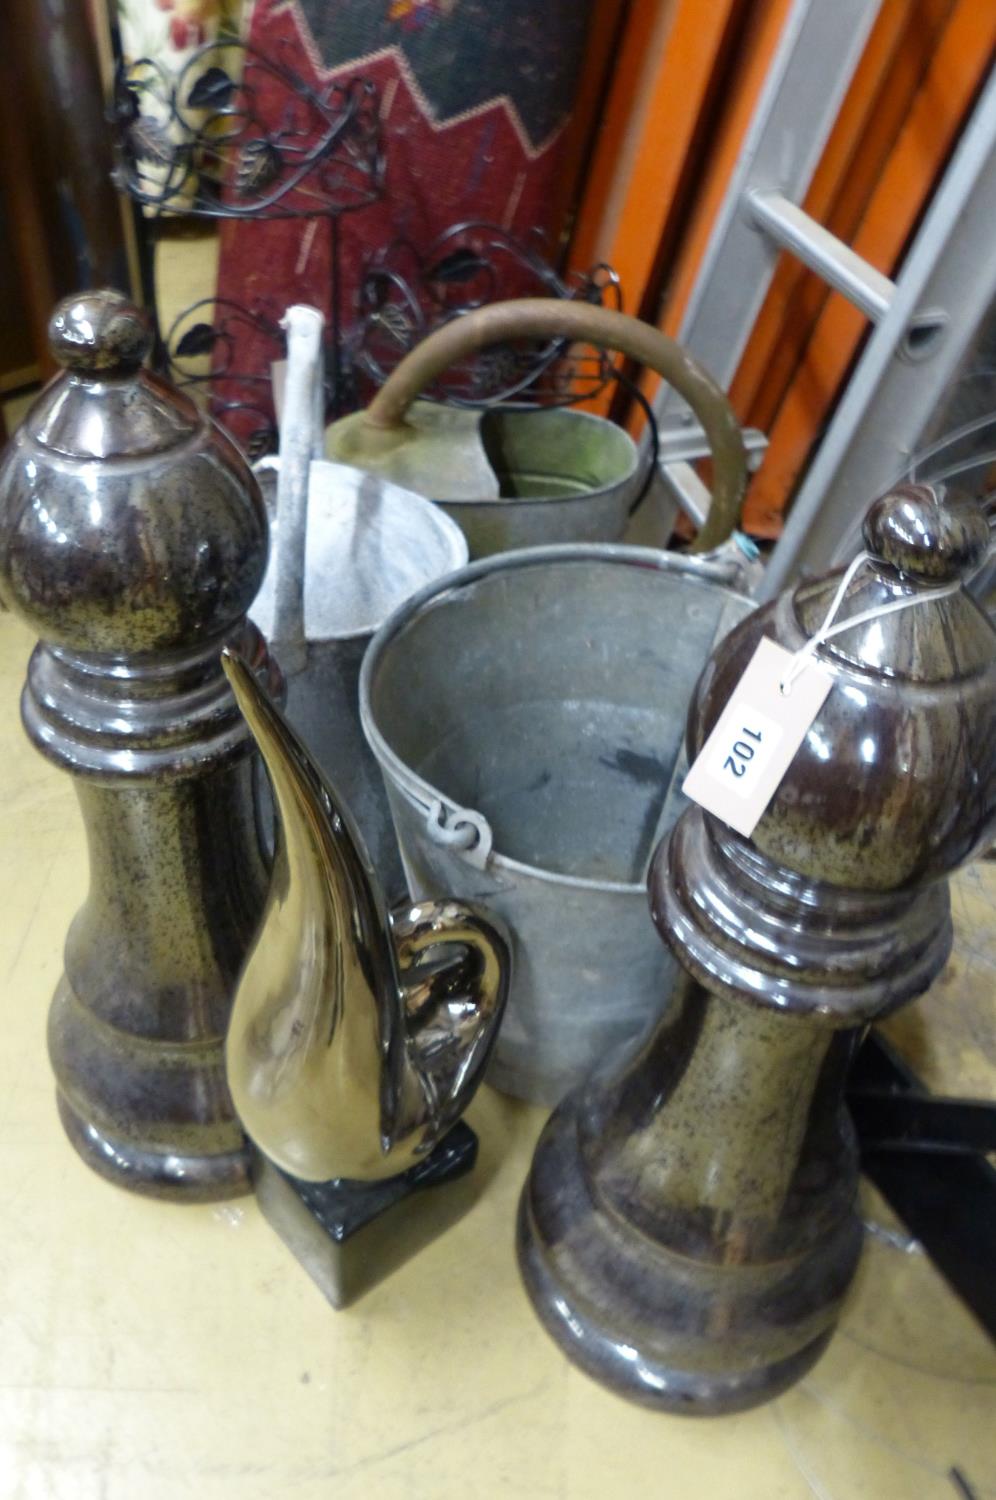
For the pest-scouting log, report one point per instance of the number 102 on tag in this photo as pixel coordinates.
(742, 763)
(744, 749)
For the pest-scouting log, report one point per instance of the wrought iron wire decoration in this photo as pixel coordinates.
(238, 135)
(405, 294)
(200, 349)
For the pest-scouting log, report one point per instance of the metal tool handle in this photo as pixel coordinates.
(550, 317)
(300, 443)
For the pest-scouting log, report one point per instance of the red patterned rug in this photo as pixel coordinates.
(474, 98)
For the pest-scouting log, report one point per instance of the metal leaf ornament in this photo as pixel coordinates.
(198, 339)
(459, 266)
(259, 163)
(150, 141)
(125, 108)
(213, 90)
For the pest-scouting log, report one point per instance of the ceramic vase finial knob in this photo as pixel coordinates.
(688, 1230)
(926, 532)
(132, 542)
(99, 333)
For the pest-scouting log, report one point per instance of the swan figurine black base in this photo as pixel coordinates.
(350, 1235)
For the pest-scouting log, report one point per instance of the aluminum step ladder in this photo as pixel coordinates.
(924, 322)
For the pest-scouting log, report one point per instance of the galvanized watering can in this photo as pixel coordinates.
(346, 548)
(517, 479)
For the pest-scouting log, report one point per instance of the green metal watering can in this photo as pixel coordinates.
(514, 479)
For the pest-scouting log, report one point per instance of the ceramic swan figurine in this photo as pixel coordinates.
(357, 1037)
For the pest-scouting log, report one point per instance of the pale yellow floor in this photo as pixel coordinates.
(152, 1352)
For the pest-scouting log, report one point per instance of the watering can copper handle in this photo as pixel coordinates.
(550, 317)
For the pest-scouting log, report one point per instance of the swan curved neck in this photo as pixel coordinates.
(355, 1042)
(317, 1007)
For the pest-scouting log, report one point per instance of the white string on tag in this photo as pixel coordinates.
(829, 629)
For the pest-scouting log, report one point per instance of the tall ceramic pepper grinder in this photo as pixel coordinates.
(132, 540)
(688, 1230)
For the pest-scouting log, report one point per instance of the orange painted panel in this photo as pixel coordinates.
(679, 97)
(759, 47)
(758, 44)
(619, 132)
(596, 80)
(960, 60)
(624, 108)
(659, 98)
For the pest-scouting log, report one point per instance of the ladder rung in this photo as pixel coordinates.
(793, 229)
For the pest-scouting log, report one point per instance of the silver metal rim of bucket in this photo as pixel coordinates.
(422, 793)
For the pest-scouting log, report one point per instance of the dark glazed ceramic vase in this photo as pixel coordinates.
(132, 541)
(688, 1230)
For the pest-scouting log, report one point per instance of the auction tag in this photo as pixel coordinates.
(741, 765)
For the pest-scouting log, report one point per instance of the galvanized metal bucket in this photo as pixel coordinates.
(528, 714)
(346, 548)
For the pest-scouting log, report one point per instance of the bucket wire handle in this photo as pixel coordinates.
(550, 317)
(460, 829)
